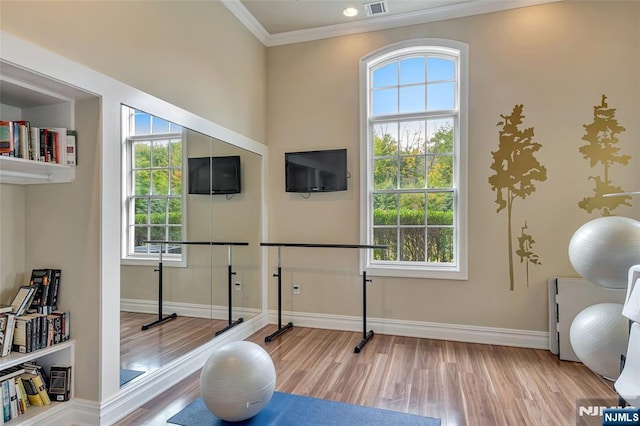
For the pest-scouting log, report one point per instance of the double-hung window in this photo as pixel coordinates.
(154, 198)
(413, 179)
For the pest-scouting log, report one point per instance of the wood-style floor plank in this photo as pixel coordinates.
(460, 383)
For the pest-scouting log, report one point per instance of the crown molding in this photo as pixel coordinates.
(470, 8)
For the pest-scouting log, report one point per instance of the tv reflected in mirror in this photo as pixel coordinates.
(316, 171)
(214, 175)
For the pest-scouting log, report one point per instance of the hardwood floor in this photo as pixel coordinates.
(460, 383)
(148, 350)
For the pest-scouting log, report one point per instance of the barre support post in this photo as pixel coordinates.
(365, 335)
(289, 325)
(160, 319)
(231, 323)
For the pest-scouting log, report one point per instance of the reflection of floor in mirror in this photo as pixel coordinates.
(148, 350)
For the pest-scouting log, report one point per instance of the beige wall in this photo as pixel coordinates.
(556, 59)
(194, 54)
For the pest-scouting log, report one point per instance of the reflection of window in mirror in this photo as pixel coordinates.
(153, 197)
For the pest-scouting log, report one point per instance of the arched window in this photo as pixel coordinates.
(414, 147)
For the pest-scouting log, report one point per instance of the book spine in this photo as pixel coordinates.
(6, 401)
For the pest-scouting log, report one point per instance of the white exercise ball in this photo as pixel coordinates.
(599, 334)
(602, 250)
(237, 381)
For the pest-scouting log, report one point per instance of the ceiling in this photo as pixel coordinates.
(277, 22)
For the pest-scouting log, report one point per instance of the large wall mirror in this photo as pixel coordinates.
(205, 196)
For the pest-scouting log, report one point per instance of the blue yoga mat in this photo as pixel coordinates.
(294, 410)
(128, 375)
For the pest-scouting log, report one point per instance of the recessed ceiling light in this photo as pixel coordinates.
(350, 12)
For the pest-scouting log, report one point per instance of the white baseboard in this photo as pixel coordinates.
(427, 330)
(186, 309)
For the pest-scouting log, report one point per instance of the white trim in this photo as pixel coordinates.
(424, 330)
(461, 10)
(186, 309)
(459, 270)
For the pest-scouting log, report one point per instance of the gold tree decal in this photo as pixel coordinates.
(525, 247)
(602, 137)
(516, 169)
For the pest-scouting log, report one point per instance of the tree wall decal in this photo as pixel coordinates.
(602, 140)
(525, 250)
(516, 169)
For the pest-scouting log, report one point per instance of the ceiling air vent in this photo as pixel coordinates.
(376, 8)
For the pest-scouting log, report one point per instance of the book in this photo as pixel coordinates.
(41, 388)
(23, 296)
(43, 277)
(6, 144)
(72, 158)
(5, 308)
(24, 401)
(55, 289)
(60, 383)
(13, 398)
(30, 388)
(7, 339)
(6, 401)
(22, 334)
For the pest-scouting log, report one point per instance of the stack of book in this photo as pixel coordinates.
(28, 385)
(33, 320)
(50, 144)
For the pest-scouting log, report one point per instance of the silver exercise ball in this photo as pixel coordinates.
(237, 381)
(602, 250)
(599, 334)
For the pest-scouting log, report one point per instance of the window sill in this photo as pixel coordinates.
(171, 263)
(444, 273)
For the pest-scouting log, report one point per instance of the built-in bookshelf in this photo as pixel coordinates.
(46, 102)
(41, 102)
(58, 354)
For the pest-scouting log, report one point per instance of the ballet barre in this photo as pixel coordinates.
(366, 335)
(230, 274)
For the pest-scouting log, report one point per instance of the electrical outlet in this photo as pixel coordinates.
(296, 289)
(238, 286)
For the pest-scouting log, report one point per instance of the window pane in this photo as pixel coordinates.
(385, 139)
(159, 125)
(159, 211)
(440, 207)
(176, 182)
(440, 69)
(440, 245)
(440, 172)
(412, 99)
(142, 123)
(440, 96)
(160, 179)
(176, 153)
(412, 71)
(140, 235)
(160, 156)
(385, 209)
(142, 155)
(412, 172)
(387, 237)
(440, 136)
(386, 76)
(412, 209)
(157, 233)
(412, 244)
(141, 182)
(175, 211)
(175, 233)
(385, 173)
(140, 209)
(384, 102)
(412, 135)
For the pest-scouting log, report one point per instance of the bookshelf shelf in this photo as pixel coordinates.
(15, 358)
(25, 172)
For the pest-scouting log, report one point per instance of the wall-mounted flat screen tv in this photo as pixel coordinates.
(316, 171)
(214, 175)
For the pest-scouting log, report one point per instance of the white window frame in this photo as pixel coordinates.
(457, 270)
(146, 259)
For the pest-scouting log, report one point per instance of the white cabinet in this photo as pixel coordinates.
(44, 103)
